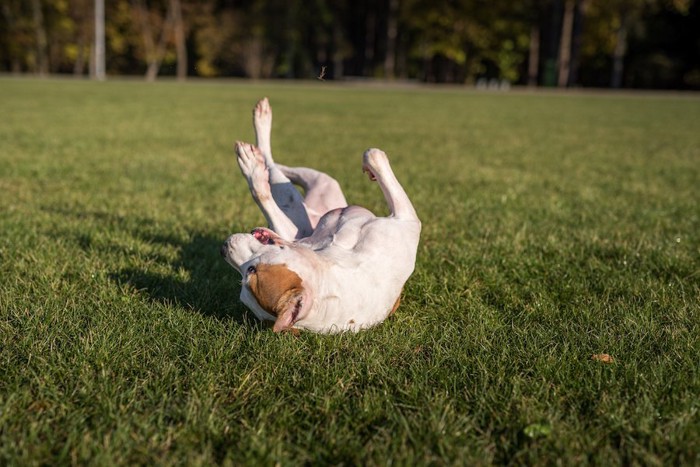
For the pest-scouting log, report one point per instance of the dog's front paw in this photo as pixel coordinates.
(267, 236)
(252, 164)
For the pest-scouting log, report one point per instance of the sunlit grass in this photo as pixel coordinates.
(555, 227)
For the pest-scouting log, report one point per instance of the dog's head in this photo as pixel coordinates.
(276, 275)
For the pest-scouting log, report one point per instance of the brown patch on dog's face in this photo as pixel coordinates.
(273, 286)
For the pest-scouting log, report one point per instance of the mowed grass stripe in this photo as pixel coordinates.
(555, 227)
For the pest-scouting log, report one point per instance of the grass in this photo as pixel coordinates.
(556, 226)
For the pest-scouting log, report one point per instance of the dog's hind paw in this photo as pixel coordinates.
(373, 162)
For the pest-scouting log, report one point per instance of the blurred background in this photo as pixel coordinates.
(653, 44)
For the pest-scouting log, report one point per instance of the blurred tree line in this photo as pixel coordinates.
(630, 43)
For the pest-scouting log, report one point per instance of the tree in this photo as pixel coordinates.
(624, 42)
(154, 51)
(567, 29)
(625, 15)
(100, 67)
(42, 55)
(534, 56)
(17, 37)
(164, 20)
(179, 32)
(443, 37)
(79, 49)
(391, 34)
(577, 41)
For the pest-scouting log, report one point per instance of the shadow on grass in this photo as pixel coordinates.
(198, 279)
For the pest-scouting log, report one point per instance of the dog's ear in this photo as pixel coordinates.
(278, 290)
(271, 284)
(294, 307)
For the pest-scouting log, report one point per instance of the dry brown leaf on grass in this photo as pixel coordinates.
(602, 357)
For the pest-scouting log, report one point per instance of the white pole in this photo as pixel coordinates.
(99, 40)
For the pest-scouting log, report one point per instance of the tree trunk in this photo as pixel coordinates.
(79, 64)
(91, 61)
(147, 37)
(534, 59)
(565, 44)
(145, 26)
(15, 64)
(579, 20)
(292, 39)
(370, 35)
(338, 52)
(99, 40)
(427, 69)
(42, 56)
(402, 58)
(253, 57)
(154, 54)
(180, 45)
(391, 34)
(619, 54)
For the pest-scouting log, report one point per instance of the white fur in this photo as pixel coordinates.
(353, 265)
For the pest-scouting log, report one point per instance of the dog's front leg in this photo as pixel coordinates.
(283, 192)
(252, 164)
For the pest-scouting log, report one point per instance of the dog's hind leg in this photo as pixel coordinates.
(283, 191)
(322, 193)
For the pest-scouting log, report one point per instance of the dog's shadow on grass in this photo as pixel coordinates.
(181, 270)
(198, 280)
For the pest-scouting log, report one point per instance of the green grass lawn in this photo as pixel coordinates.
(555, 227)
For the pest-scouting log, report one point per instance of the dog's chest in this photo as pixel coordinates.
(353, 298)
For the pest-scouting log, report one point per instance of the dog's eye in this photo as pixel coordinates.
(251, 270)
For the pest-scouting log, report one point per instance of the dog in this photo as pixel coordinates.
(321, 265)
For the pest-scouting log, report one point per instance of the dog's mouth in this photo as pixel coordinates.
(267, 237)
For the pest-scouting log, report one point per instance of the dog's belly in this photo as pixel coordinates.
(339, 227)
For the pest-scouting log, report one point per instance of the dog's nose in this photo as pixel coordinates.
(224, 249)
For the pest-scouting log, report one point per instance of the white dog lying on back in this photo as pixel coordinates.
(322, 265)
